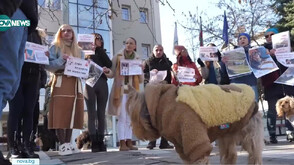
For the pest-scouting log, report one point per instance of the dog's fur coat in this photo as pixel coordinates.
(156, 113)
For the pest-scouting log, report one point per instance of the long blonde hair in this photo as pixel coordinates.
(75, 50)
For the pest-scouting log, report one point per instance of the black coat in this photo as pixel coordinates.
(160, 64)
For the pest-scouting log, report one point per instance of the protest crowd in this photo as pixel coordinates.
(67, 88)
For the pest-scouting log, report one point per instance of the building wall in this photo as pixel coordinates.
(144, 33)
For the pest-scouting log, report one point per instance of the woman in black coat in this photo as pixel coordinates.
(98, 94)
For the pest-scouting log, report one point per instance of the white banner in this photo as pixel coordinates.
(130, 67)
(35, 53)
(86, 42)
(208, 53)
(77, 67)
(186, 74)
(281, 42)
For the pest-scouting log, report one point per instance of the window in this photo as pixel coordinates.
(125, 12)
(143, 15)
(145, 51)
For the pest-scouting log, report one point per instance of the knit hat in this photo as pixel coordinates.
(274, 30)
(246, 35)
(178, 49)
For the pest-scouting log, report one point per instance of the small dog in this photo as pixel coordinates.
(285, 107)
(84, 141)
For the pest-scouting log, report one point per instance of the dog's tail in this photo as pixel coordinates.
(253, 141)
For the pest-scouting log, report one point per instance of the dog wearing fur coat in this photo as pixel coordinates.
(160, 112)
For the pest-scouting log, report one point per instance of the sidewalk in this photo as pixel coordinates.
(281, 153)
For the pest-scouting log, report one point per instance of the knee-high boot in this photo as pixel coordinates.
(101, 144)
(27, 152)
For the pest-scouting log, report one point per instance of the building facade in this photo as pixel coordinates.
(115, 20)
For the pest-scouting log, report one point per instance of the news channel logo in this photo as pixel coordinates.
(6, 23)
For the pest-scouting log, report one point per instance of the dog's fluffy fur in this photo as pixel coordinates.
(84, 141)
(285, 106)
(155, 113)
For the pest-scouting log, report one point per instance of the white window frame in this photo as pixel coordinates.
(126, 16)
(145, 55)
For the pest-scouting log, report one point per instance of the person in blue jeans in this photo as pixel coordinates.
(12, 44)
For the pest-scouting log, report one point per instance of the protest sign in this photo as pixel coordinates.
(286, 59)
(236, 64)
(208, 53)
(281, 42)
(260, 62)
(186, 74)
(130, 67)
(156, 77)
(287, 77)
(35, 53)
(95, 73)
(77, 67)
(87, 42)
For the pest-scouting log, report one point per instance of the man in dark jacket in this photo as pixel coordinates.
(12, 45)
(273, 91)
(158, 62)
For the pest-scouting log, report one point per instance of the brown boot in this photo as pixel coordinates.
(123, 146)
(130, 145)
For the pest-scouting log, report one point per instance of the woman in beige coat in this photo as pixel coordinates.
(118, 95)
(66, 107)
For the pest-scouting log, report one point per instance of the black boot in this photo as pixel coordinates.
(94, 145)
(101, 144)
(273, 140)
(164, 144)
(4, 161)
(151, 144)
(28, 151)
(13, 147)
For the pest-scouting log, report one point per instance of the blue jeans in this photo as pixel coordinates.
(12, 45)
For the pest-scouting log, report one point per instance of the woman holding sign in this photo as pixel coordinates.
(98, 94)
(185, 64)
(118, 95)
(66, 107)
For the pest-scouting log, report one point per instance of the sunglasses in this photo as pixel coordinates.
(267, 36)
(99, 38)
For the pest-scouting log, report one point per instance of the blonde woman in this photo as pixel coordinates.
(118, 95)
(66, 107)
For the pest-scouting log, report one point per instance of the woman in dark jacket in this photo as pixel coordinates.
(158, 62)
(98, 95)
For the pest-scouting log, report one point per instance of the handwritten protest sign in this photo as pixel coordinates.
(86, 42)
(208, 53)
(77, 67)
(186, 74)
(35, 53)
(130, 67)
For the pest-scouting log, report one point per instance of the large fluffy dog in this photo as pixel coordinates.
(156, 113)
